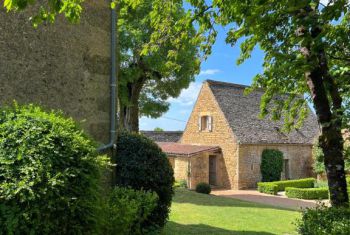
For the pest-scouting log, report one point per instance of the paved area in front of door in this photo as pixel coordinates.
(279, 200)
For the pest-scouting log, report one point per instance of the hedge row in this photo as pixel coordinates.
(276, 186)
(269, 188)
(307, 193)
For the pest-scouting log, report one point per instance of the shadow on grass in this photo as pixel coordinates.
(191, 197)
(173, 228)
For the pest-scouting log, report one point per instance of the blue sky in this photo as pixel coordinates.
(220, 66)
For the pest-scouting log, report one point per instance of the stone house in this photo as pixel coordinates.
(224, 139)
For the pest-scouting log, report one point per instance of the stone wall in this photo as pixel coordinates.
(299, 156)
(181, 168)
(221, 135)
(60, 65)
(199, 170)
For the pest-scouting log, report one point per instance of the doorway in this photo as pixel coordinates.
(212, 170)
(286, 169)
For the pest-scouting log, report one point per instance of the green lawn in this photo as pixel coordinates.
(194, 213)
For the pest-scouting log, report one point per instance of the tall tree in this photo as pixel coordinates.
(153, 71)
(307, 52)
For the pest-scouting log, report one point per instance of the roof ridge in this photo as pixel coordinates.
(143, 131)
(213, 82)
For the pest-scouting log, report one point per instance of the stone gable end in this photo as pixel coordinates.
(221, 135)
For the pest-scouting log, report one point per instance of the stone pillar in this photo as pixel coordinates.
(59, 66)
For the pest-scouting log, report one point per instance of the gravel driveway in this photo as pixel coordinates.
(280, 200)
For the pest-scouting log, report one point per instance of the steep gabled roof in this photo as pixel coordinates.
(187, 150)
(242, 111)
(163, 136)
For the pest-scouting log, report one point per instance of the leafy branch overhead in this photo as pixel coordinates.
(47, 10)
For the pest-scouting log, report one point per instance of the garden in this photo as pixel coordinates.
(53, 180)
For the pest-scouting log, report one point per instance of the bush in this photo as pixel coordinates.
(49, 173)
(203, 188)
(300, 183)
(180, 184)
(142, 165)
(307, 193)
(325, 221)
(269, 188)
(271, 165)
(126, 210)
(276, 186)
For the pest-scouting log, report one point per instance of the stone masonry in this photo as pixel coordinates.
(59, 66)
(221, 135)
(239, 165)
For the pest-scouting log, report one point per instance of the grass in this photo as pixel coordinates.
(194, 213)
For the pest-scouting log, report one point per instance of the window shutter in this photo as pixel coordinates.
(210, 122)
(200, 123)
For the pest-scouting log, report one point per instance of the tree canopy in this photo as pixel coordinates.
(307, 53)
(159, 56)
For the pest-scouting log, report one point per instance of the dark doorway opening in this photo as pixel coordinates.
(212, 170)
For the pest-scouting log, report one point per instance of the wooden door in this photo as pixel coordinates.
(212, 170)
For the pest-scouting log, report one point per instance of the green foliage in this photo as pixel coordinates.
(307, 193)
(158, 129)
(180, 184)
(203, 188)
(126, 210)
(142, 165)
(47, 10)
(49, 173)
(159, 54)
(276, 186)
(325, 221)
(271, 165)
(285, 30)
(317, 153)
(300, 183)
(269, 188)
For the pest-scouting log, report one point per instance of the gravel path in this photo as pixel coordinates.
(279, 200)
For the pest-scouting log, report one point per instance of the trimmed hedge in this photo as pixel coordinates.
(301, 183)
(269, 188)
(276, 186)
(271, 165)
(307, 193)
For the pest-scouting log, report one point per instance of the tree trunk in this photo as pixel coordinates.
(330, 140)
(329, 116)
(328, 103)
(129, 113)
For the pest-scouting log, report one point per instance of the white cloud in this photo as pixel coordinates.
(209, 72)
(188, 96)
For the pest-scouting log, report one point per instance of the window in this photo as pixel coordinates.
(205, 123)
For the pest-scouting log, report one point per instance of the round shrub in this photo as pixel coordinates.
(126, 209)
(325, 221)
(307, 193)
(271, 165)
(141, 164)
(203, 188)
(48, 174)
